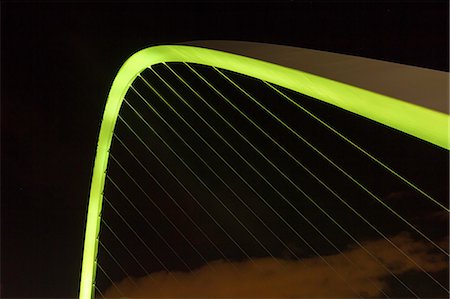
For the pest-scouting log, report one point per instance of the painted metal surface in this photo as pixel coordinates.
(424, 87)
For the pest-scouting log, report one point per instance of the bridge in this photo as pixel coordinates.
(234, 169)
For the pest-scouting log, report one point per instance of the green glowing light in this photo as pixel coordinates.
(423, 123)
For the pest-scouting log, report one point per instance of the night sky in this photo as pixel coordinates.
(58, 63)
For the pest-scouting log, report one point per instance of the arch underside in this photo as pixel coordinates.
(423, 123)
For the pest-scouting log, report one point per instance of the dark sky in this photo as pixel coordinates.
(58, 61)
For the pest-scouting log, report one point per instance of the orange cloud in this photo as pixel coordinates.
(269, 277)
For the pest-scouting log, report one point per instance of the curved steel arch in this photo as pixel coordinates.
(421, 122)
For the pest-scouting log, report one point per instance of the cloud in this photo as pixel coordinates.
(269, 277)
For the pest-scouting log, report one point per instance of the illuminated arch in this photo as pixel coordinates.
(424, 123)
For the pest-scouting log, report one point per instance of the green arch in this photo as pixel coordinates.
(423, 123)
